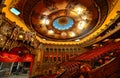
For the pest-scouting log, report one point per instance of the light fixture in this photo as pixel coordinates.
(20, 36)
(50, 32)
(72, 34)
(45, 21)
(79, 10)
(15, 11)
(44, 39)
(81, 25)
(77, 40)
(63, 34)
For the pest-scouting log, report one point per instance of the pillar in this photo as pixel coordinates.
(37, 62)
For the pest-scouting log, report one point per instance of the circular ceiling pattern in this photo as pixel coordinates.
(63, 23)
(64, 19)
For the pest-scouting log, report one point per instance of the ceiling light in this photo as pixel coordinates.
(81, 25)
(15, 11)
(77, 40)
(21, 36)
(50, 32)
(63, 34)
(79, 10)
(72, 34)
(45, 21)
(44, 39)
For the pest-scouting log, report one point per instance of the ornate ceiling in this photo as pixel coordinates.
(64, 21)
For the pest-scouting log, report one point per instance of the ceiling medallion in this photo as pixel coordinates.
(63, 23)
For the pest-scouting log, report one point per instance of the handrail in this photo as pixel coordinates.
(103, 64)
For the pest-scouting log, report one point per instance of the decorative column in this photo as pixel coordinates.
(69, 53)
(38, 61)
(61, 55)
(57, 55)
(53, 54)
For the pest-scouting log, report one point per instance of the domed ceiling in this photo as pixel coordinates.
(61, 19)
(64, 20)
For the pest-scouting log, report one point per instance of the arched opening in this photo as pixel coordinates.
(17, 61)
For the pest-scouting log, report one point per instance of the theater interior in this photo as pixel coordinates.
(59, 38)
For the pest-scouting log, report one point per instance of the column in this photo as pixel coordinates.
(37, 61)
(57, 55)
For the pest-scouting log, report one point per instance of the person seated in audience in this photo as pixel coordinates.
(84, 70)
(107, 58)
(101, 61)
(98, 62)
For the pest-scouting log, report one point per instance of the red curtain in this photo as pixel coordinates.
(17, 55)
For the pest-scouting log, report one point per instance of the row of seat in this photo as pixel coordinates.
(97, 52)
(81, 64)
(88, 56)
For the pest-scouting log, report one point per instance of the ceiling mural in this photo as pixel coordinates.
(64, 19)
(69, 20)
